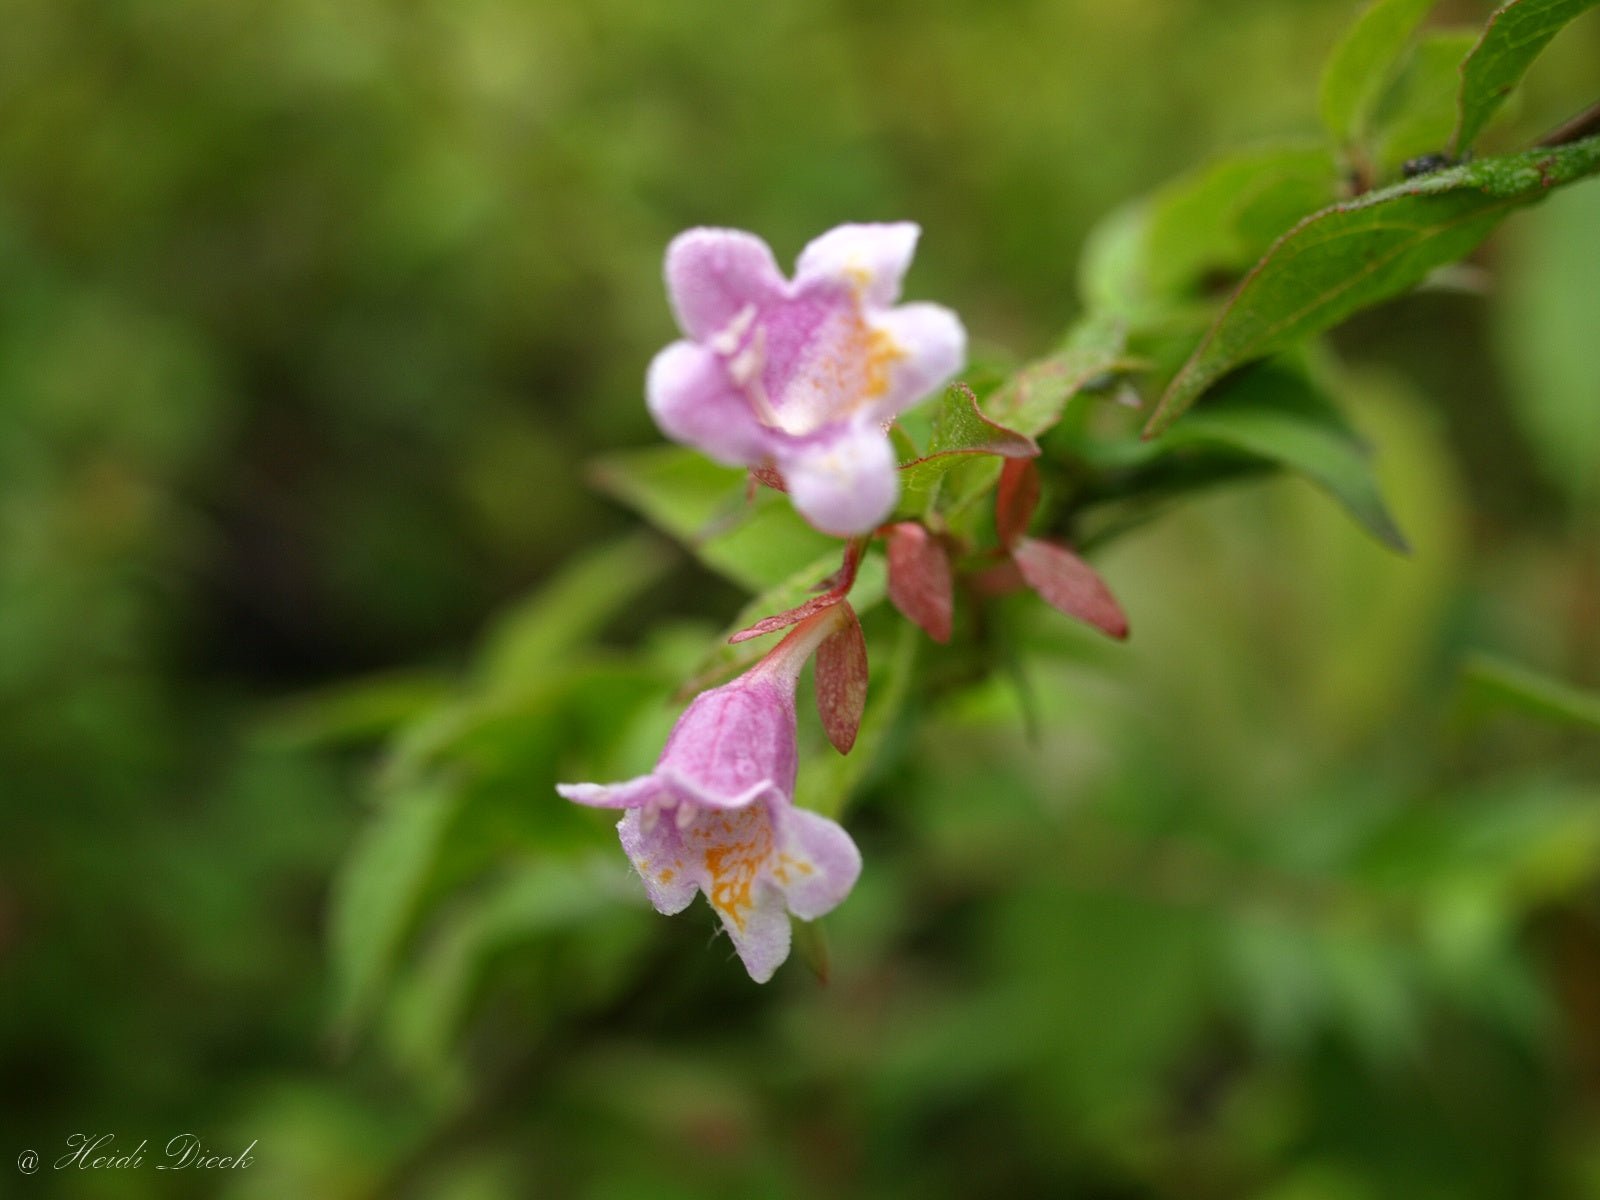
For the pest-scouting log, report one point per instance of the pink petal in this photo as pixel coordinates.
(694, 402)
(732, 744)
(735, 852)
(870, 260)
(931, 346)
(817, 865)
(631, 794)
(652, 843)
(762, 942)
(714, 274)
(844, 482)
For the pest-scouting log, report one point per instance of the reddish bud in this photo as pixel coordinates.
(1015, 499)
(1069, 584)
(920, 584)
(842, 681)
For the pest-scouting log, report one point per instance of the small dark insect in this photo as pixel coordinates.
(1425, 164)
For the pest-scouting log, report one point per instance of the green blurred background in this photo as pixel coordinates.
(310, 315)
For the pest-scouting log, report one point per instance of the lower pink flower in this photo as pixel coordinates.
(717, 813)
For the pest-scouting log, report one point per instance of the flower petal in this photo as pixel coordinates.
(733, 743)
(654, 845)
(762, 942)
(931, 347)
(694, 402)
(631, 794)
(817, 863)
(714, 274)
(844, 481)
(869, 259)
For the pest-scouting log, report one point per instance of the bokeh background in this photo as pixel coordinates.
(312, 312)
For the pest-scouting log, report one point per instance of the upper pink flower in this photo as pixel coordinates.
(802, 375)
(717, 816)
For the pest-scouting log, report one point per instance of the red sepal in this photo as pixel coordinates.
(920, 583)
(1069, 584)
(1015, 499)
(842, 681)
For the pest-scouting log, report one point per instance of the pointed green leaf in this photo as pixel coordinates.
(1515, 35)
(1223, 217)
(1493, 681)
(1356, 254)
(1419, 114)
(960, 428)
(1275, 413)
(1547, 337)
(1363, 63)
(563, 614)
(359, 711)
(376, 894)
(1033, 399)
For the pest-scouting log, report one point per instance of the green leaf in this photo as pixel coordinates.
(1033, 399)
(1419, 114)
(359, 711)
(1356, 254)
(1547, 336)
(1493, 682)
(1515, 35)
(1111, 269)
(1275, 413)
(528, 903)
(1222, 217)
(1362, 64)
(959, 428)
(755, 542)
(566, 612)
(376, 894)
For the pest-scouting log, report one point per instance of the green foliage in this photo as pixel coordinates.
(1489, 682)
(1358, 253)
(1418, 116)
(1221, 219)
(379, 893)
(1363, 63)
(1515, 35)
(310, 321)
(1278, 414)
(1547, 340)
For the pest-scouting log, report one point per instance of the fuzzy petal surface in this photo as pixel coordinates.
(735, 853)
(844, 483)
(713, 275)
(930, 346)
(654, 845)
(632, 794)
(817, 865)
(735, 740)
(870, 260)
(693, 401)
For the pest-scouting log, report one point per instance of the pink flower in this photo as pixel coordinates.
(717, 815)
(802, 375)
